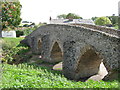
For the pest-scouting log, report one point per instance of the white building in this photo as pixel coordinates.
(74, 21)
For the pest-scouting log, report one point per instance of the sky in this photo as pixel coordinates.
(41, 10)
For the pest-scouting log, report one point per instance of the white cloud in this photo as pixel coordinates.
(41, 10)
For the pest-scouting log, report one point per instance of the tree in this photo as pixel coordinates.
(73, 16)
(103, 21)
(62, 16)
(11, 14)
(113, 19)
(69, 16)
(94, 18)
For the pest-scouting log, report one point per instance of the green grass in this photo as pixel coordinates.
(13, 50)
(15, 41)
(31, 76)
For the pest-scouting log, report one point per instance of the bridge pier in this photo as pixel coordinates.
(80, 61)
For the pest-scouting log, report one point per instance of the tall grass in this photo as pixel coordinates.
(30, 76)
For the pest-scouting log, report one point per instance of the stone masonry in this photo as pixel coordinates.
(81, 48)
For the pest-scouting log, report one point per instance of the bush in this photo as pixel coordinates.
(11, 55)
(28, 31)
(11, 49)
(19, 33)
(113, 19)
(103, 21)
(24, 31)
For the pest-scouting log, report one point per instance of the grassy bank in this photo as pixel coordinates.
(30, 76)
(34, 76)
(13, 50)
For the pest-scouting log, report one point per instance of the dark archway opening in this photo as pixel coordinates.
(39, 47)
(88, 64)
(39, 44)
(56, 53)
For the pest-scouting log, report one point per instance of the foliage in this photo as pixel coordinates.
(73, 16)
(62, 16)
(94, 18)
(103, 21)
(19, 33)
(24, 31)
(28, 31)
(11, 14)
(119, 22)
(11, 49)
(31, 76)
(116, 27)
(69, 16)
(113, 19)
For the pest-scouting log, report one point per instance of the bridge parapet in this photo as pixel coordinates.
(101, 28)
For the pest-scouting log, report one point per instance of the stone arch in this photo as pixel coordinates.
(88, 63)
(56, 53)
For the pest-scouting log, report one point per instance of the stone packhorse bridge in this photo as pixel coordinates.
(81, 48)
